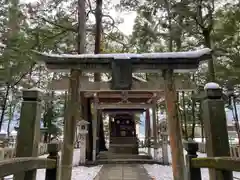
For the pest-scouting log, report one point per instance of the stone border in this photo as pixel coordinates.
(97, 177)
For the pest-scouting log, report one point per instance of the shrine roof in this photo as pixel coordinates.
(158, 56)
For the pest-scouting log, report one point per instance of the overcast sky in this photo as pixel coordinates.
(129, 18)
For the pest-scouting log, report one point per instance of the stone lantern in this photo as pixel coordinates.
(83, 131)
(164, 137)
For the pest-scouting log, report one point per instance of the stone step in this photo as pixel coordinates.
(127, 161)
(123, 149)
(122, 145)
(123, 140)
(122, 156)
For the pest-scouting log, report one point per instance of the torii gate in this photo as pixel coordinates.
(121, 66)
(144, 94)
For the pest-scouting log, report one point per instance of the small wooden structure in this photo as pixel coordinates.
(120, 92)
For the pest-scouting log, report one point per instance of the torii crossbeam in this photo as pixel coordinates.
(138, 84)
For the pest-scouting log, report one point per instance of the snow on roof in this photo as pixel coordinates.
(2, 45)
(133, 76)
(186, 54)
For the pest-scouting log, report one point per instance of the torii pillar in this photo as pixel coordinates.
(173, 125)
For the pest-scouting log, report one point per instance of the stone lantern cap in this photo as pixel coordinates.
(83, 122)
(213, 90)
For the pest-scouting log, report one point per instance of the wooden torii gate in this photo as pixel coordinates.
(144, 94)
(121, 66)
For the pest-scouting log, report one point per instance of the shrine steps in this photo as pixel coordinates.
(127, 161)
(115, 158)
(109, 155)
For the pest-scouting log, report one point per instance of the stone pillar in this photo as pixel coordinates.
(27, 144)
(191, 173)
(155, 134)
(82, 145)
(164, 137)
(83, 130)
(215, 127)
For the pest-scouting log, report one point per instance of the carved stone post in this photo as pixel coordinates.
(164, 137)
(215, 127)
(83, 134)
(27, 145)
(192, 173)
(53, 174)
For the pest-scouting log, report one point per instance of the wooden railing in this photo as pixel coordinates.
(234, 150)
(9, 152)
(29, 164)
(221, 167)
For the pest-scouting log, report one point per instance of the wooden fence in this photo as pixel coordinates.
(9, 152)
(29, 164)
(220, 168)
(234, 150)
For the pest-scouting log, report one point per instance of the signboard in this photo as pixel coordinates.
(121, 74)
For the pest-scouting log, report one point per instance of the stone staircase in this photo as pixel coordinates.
(123, 145)
(116, 158)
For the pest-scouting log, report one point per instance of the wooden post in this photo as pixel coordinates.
(147, 131)
(70, 126)
(53, 174)
(94, 127)
(215, 127)
(99, 114)
(89, 139)
(155, 134)
(192, 173)
(173, 125)
(27, 145)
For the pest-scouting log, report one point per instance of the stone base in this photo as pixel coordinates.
(123, 149)
(123, 145)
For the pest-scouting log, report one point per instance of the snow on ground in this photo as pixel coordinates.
(79, 172)
(160, 172)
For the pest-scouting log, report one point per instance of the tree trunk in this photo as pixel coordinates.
(98, 32)
(184, 116)
(193, 117)
(207, 40)
(4, 105)
(11, 115)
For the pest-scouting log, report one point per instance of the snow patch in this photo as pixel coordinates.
(170, 55)
(211, 85)
(2, 45)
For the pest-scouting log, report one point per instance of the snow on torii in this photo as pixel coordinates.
(145, 62)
